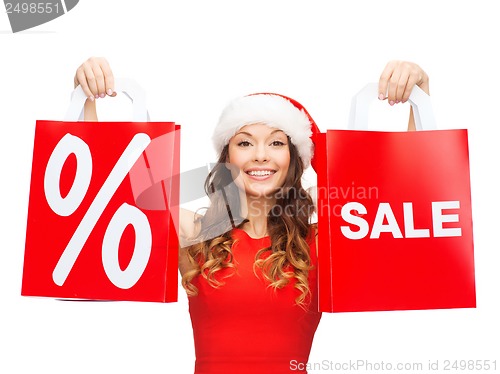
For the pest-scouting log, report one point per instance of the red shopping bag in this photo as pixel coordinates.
(394, 215)
(103, 207)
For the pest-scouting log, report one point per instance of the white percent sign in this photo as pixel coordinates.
(124, 216)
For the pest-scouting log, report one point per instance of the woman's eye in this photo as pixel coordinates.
(277, 143)
(244, 143)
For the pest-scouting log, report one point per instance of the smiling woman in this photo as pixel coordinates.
(256, 274)
(249, 266)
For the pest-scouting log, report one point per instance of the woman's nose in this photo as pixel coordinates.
(261, 153)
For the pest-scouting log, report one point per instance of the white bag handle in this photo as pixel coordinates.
(126, 85)
(419, 100)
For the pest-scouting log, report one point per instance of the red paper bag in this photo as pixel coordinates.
(103, 207)
(394, 215)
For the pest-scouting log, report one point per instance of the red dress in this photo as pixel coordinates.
(244, 326)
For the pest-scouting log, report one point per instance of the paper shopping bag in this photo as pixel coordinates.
(102, 213)
(394, 215)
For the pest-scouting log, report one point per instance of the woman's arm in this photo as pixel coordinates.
(395, 84)
(397, 81)
(97, 80)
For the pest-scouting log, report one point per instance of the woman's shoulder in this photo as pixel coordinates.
(189, 226)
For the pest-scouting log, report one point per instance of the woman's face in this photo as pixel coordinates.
(260, 158)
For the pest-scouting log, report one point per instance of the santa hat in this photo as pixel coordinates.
(274, 110)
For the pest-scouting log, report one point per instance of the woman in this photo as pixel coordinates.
(250, 264)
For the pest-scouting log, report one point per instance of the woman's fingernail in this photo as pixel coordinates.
(102, 95)
(381, 96)
(110, 91)
(96, 96)
(391, 102)
(91, 98)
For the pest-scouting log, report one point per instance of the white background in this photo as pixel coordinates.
(194, 56)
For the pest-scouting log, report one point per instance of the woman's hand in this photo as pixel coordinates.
(97, 81)
(96, 78)
(398, 79)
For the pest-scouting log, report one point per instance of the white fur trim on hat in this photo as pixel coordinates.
(272, 110)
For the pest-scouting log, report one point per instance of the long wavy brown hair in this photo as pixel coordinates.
(288, 225)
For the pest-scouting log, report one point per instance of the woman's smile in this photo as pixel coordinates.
(260, 174)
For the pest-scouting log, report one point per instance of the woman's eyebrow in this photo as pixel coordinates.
(244, 133)
(277, 130)
(248, 134)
